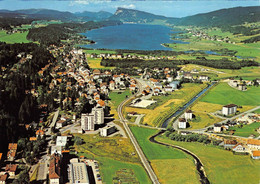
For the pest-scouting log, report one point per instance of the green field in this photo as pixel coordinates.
(152, 150)
(113, 154)
(109, 167)
(170, 165)
(221, 166)
(14, 38)
(96, 51)
(224, 94)
(247, 130)
(116, 99)
(257, 111)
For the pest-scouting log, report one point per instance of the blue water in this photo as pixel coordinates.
(131, 36)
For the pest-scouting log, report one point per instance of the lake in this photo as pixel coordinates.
(131, 37)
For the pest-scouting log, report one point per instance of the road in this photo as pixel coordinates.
(139, 151)
(56, 114)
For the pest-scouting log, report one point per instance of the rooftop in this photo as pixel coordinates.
(230, 105)
(253, 141)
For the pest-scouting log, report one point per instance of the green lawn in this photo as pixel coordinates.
(109, 167)
(221, 166)
(152, 150)
(14, 38)
(257, 111)
(96, 51)
(224, 94)
(246, 130)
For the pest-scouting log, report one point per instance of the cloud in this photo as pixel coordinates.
(130, 6)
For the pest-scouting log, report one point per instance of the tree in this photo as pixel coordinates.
(78, 140)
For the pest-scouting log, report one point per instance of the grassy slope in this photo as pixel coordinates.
(222, 166)
(170, 165)
(247, 130)
(224, 94)
(14, 38)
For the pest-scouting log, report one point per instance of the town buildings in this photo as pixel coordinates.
(107, 130)
(182, 123)
(77, 172)
(229, 109)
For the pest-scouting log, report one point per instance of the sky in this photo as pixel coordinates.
(177, 8)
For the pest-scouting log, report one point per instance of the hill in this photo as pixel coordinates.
(230, 16)
(136, 16)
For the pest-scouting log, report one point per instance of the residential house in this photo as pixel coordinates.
(61, 123)
(228, 144)
(112, 85)
(255, 154)
(12, 146)
(168, 89)
(239, 148)
(11, 169)
(182, 123)
(3, 179)
(188, 114)
(217, 128)
(40, 133)
(241, 87)
(229, 109)
(11, 155)
(175, 84)
(132, 87)
(107, 130)
(158, 85)
(54, 169)
(204, 78)
(253, 144)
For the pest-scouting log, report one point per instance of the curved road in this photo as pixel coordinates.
(139, 151)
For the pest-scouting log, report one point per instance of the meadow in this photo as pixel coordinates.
(14, 38)
(222, 166)
(247, 130)
(170, 165)
(113, 153)
(115, 99)
(224, 94)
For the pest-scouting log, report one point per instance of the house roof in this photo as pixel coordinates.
(227, 141)
(253, 141)
(10, 167)
(230, 105)
(12, 146)
(3, 177)
(1, 154)
(256, 153)
(11, 153)
(189, 111)
(182, 120)
(54, 169)
(39, 132)
(237, 145)
(33, 138)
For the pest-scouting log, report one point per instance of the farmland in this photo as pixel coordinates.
(163, 159)
(14, 38)
(224, 94)
(221, 165)
(247, 130)
(168, 104)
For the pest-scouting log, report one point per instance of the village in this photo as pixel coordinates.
(83, 94)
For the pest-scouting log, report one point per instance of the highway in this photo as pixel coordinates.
(139, 151)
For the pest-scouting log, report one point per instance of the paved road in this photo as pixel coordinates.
(56, 114)
(144, 161)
